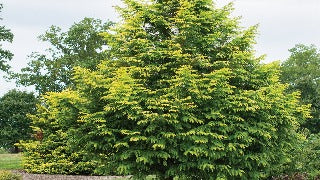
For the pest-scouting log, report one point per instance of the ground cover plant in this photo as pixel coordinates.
(7, 175)
(182, 96)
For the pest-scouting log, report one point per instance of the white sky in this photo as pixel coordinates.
(282, 23)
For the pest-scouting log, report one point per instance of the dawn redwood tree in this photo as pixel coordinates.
(182, 96)
(302, 72)
(5, 55)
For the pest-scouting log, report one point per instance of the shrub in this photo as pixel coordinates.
(54, 150)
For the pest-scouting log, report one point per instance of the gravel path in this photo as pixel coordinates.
(27, 176)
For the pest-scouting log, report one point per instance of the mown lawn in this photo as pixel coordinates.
(10, 161)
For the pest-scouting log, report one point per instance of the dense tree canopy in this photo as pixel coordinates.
(5, 55)
(80, 46)
(14, 123)
(181, 96)
(302, 72)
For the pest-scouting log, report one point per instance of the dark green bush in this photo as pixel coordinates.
(15, 126)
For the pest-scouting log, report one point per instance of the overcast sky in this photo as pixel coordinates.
(282, 23)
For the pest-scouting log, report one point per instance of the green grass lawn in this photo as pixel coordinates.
(10, 161)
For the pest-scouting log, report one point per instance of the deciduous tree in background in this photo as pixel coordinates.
(182, 96)
(302, 72)
(14, 123)
(80, 46)
(5, 55)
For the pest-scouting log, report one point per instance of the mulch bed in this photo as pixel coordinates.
(28, 176)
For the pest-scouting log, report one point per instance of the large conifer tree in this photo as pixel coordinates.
(182, 96)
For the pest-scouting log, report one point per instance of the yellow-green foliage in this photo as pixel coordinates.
(183, 96)
(7, 175)
(56, 124)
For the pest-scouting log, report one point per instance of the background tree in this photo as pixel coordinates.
(14, 123)
(80, 46)
(181, 96)
(5, 55)
(302, 72)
